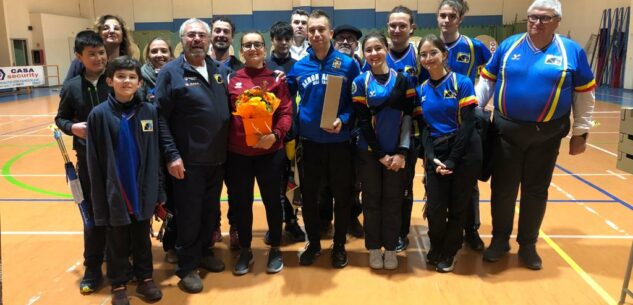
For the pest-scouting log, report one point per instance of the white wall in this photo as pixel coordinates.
(5, 56)
(59, 32)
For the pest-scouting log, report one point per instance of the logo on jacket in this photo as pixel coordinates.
(191, 81)
(147, 125)
(553, 60)
(463, 57)
(218, 78)
(449, 94)
(238, 85)
(354, 88)
(337, 63)
(516, 56)
(411, 70)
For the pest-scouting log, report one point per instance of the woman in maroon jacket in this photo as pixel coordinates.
(261, 160)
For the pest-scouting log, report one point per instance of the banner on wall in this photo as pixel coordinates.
(23, 76)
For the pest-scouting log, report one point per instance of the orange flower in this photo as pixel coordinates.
(256, 107)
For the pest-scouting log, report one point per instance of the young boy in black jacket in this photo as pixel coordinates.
(124, 165)
(79, 95)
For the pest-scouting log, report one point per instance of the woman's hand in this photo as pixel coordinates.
(398, 162)
(386, 161)
(266, 141)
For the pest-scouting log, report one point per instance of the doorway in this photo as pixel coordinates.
(20, 52)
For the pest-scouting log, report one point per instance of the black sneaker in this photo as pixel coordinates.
(446, 264)
(356, 228)
(244, 262)
(339, 256)
(295, 231)
(497, 249)
(432, 258)
(403, 244)
(275, 260)
(267, 238)
(191, 283)
(148, 291)
(91, 280)
(211, 263)
(309, 255)
(474, 241)
(119, 296)
(529, 257)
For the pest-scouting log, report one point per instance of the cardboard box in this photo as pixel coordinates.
(625, 143)
(625, 162)
(626, 121)
(331, 100)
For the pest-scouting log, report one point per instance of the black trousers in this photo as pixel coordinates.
(241, 172)
(326, 200)
(120, 239)
(449, 196)
(524, 154)
(407, 200)
(169, 236)
(332, 161)
(196, 201)
(382, 201)
(472, 212)
(289, 212)
(95, 237)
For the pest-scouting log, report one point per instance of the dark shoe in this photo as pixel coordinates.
(339, 256)
(216, 236)
(403, 244)
(212, 263)
(148, 291)
(119, 296)
(326, 228)
(496, 250)
(275, 260)
(244, 262)
(432, 258)
(355, 228)
(91, 280)
(267, 238)
(295, 231)
(446, 264)
(171, 256)
(309, 255)
(235, 239)
(191, 283)
(474, 241)
(529, 257)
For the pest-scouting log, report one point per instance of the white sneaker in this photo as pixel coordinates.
(375, 259)
(391, 260)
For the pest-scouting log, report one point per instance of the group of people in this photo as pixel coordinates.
(171, 132)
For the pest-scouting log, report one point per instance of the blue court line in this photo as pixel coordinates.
(597, 188)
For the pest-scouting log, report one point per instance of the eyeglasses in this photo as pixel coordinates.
(192, 35)
(249, 45)
(542, 18)
(345, 39)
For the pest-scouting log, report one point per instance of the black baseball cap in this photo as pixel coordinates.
(348, 28)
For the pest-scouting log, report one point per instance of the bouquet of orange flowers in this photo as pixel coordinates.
(256, 106)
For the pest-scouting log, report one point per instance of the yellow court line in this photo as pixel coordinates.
(586, 277)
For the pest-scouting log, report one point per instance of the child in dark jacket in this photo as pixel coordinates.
(79, 96)
(124, 165)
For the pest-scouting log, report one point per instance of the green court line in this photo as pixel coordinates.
(6, 171)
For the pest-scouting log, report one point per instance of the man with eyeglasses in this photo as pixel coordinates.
(538, 78)
(299, 44)
(346, 39)
(194, 124)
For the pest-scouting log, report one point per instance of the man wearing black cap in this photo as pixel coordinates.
(345, 41)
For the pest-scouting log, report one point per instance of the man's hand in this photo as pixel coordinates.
(79, 129)
(386, 161)
(177, 169)
(267, 141)
(397, 162)
(336, 126)
(577, 145)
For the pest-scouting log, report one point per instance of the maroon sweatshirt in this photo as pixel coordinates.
(247, 78)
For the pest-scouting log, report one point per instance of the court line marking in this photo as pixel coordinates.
(597, 188)
(224, 200)
(34, 298)
(26, 135)
(32, 175)
(27, 115)
(601, 112)
(617, 175)
(584, 275)
(30, 132)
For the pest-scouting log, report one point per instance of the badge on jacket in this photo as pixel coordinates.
(218, 78)
(337, 63)
(147, 125)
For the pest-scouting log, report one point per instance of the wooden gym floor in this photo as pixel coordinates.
(585, 238)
